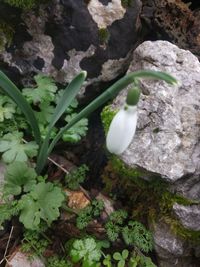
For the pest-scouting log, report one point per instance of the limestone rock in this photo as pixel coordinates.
(167, 137)
(64, 37)
(20, 259)
(171, 249)
(188, 215)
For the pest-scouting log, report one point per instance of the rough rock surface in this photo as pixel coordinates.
(66, 36)
(19, 259)
(167, 144)
(169, 117)
(188, 215)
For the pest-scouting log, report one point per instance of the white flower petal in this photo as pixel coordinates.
(122, 130)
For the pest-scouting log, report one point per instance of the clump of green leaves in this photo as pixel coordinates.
(55, 261)
(133, 234)
(136, 234)
(89, 213)
(40, 201)
(34, 243)
(8, 210)
(121, 257)
(86, 251)
(76, 177)
(114, 225)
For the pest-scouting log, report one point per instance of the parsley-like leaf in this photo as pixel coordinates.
(19, 177)
(43, 92)
(14, 149)
(75, 133)
(136, 234)
(42, 203)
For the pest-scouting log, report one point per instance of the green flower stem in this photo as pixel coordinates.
(110, 93)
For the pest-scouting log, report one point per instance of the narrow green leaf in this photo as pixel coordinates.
(64, 102)
(66, 99)
(13, 92)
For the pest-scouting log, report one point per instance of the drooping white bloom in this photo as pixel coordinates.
(122, 129)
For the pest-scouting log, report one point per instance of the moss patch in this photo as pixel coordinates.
(127, 3)
(6, 35)
(150, 200)
(106, 117)
(104, 35)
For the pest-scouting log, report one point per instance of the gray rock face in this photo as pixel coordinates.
(167, 136)
(64, 37)
(171, 249)
(188, 215)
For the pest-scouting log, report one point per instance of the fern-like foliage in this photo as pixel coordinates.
(136, 234)
(7, 211)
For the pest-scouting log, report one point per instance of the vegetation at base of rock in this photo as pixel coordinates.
(178, 229)
(154, 192)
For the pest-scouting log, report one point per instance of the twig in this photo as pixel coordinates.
(7, 245)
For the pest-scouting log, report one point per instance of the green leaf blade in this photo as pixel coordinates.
(13, 92)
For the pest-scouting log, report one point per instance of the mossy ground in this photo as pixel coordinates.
(6, 35)
(150, 201)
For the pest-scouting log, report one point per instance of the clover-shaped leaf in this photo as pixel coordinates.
(19, 177)
(14, 149)
(42, 203)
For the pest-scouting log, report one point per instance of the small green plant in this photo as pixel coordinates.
(40, 201)
(107, 260)
(113, 226)
(86, 251)
(136, 234)
(55, 261)
(52, 116)
(89, 213)
(121, 257)
(76, 177)
(34, 243)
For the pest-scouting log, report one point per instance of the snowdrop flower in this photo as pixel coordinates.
(123, 126)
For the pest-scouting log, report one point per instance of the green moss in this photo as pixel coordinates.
(151, 200)
(126, 3)
(6, 35)
(106, 116)
(178, 229)
(104, 35)
(24, 4)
